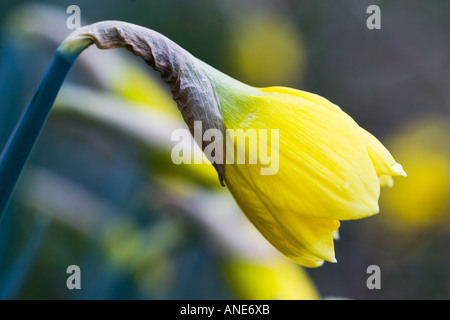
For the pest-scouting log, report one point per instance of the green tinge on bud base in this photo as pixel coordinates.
(71, 48)
(330, 169)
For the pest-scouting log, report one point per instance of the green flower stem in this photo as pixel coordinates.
(21, 141)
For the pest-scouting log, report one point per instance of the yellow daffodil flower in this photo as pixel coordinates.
(328, 168)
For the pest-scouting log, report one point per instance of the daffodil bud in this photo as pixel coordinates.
(327, 167)
(321, 168)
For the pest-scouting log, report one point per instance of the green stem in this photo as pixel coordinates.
(21, 141)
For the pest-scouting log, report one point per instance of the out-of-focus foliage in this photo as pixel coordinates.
(100, 190)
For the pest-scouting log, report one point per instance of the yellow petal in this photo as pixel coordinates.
(381, 158)
(307, 241)
(324, 167)
(386, 181)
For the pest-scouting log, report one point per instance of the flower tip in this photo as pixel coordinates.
(336, 235)
(386, 181)
(320, 263)
(397, 169)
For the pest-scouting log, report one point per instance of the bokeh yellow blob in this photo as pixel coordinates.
(422, 200)
(278, 279)
(136, 85)
(266, 49)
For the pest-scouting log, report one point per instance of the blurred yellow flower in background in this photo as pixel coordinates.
(277, 279)
(423, 200)
(131, 82)
(267, 48)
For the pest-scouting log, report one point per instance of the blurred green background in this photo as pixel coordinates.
(101, 192)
